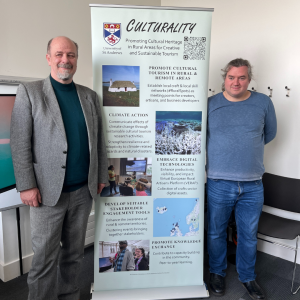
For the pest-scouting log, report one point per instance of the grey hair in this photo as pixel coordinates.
(50, 42)
(238, 62)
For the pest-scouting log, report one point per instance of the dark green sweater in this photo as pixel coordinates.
(78, 155)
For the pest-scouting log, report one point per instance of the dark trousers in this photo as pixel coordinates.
(112, 186)
(58, 235)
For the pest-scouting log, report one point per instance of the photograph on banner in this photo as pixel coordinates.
(124, 255)
(121, 85)
(176, 217)
(7, 177)
(178, 132)
(130, 176)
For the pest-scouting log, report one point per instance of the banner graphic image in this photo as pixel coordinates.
(128, 177)
(124, 91)
(175, 217)
(178, 132)
(150, 70)
(136, 256)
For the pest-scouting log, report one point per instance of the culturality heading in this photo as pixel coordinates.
(159, 27)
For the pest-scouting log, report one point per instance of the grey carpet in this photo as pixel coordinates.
(273, 274)
(17, 289)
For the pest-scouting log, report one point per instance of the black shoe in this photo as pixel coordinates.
(217, 284)
(254, 290)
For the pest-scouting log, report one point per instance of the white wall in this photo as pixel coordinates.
(266, 33)
(27, 26)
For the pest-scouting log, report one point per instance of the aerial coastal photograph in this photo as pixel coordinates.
(178, 132)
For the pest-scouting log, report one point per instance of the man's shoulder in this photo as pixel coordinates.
(128, 252)
(33, 85)
(260, 100)
(260, 96)
(216, 97)
(215, 100)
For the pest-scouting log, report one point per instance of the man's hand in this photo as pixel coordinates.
(101, 186)
(31, 197)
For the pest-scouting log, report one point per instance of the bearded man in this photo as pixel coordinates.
(60, 165)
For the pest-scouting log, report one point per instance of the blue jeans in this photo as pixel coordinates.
(246, 198)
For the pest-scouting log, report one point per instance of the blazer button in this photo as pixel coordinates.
(64, 152)
(63, 167)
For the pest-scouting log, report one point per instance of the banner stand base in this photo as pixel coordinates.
(175, 292)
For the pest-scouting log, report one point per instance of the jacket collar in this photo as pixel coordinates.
(87, 109)
(53, 106)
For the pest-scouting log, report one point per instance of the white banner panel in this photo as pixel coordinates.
(150, 69)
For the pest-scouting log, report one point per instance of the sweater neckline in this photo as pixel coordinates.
(60, 86)
(243, 101)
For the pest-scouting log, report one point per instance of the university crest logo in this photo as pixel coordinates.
(112, 33)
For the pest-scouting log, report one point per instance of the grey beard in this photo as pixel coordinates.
(65, 75)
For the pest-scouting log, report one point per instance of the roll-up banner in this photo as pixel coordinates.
(150, 70)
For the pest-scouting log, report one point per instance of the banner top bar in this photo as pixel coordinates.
(153, 7)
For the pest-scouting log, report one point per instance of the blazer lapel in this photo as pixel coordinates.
(87, 112)
(53, 106)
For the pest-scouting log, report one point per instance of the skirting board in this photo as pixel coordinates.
(12, 270)
(176, 292)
